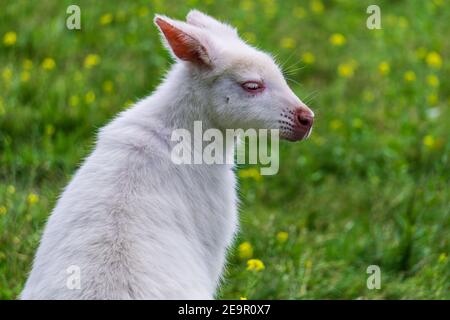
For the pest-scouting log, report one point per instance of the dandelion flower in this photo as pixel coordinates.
(27, 64)
(337, 39)
(434, 60)
(287, 43)
(32, 198)
(74, 100)
(282, 236)
(247, 5)
(7, 74)
(48, 64)
(421, 52)
(24, 76)
(11, 189)
(245, 250)
(384, 68)
(346, 70)
(89, 97)
(429, 141)
(255, 265)
(10, 38)
(308, 264)
(316, 6)
(128, 104)
(442, 258)
(308, 58)
(299, 12)
(335, 124)
(91, 60)
(432, 99)
(432, 80)
(49, 130)
(409, 76)
(106, 19)
(108, 86)
(250, 173)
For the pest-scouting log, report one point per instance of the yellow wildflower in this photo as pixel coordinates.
(429, 141)
(10, 38)
(242, 298)
(25, 76)
(3, 210)
(91, 60)
(89, 97)
(384, 68)
(308, 264)
(442, 258)
(255, 265)
(421, 52)
(108, 86)
(409, 76)
(308, 58)
(27, 64)
(402, 22)
(247, 5)
(250, 173)
(335, 124)
(48, 64)
(434, 60)
(49, 130)
(11, 189)
(282, 236)
(128, 103)
(432, 99)
(432, 80)
(106, 19)
(287, 42)
(346, 70)
(74, 100)
(245, 250)
(32, 198)
(337, 39)
(299, 12)
(316, 6)
(7, 74)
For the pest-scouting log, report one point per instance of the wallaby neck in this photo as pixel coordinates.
(180, 100)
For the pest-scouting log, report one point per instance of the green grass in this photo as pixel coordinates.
(371, 186)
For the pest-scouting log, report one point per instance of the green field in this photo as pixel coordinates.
(370, 187)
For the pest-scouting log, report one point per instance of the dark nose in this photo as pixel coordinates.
(304, 118)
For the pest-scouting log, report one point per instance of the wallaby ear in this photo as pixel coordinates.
(199, 19)
(186, 42)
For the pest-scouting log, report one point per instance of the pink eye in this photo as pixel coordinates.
(253, 86)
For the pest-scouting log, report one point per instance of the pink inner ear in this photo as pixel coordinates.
(183, 45)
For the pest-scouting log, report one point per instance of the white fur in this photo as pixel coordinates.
(139, 226)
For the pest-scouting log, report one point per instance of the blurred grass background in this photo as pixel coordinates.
(371, 186)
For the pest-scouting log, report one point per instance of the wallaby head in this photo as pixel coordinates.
(243, 86)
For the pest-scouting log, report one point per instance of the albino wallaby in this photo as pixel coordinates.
(132, 224)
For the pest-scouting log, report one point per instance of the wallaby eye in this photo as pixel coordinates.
(252, 86)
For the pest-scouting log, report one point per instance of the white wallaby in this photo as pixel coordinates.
(132, 224)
